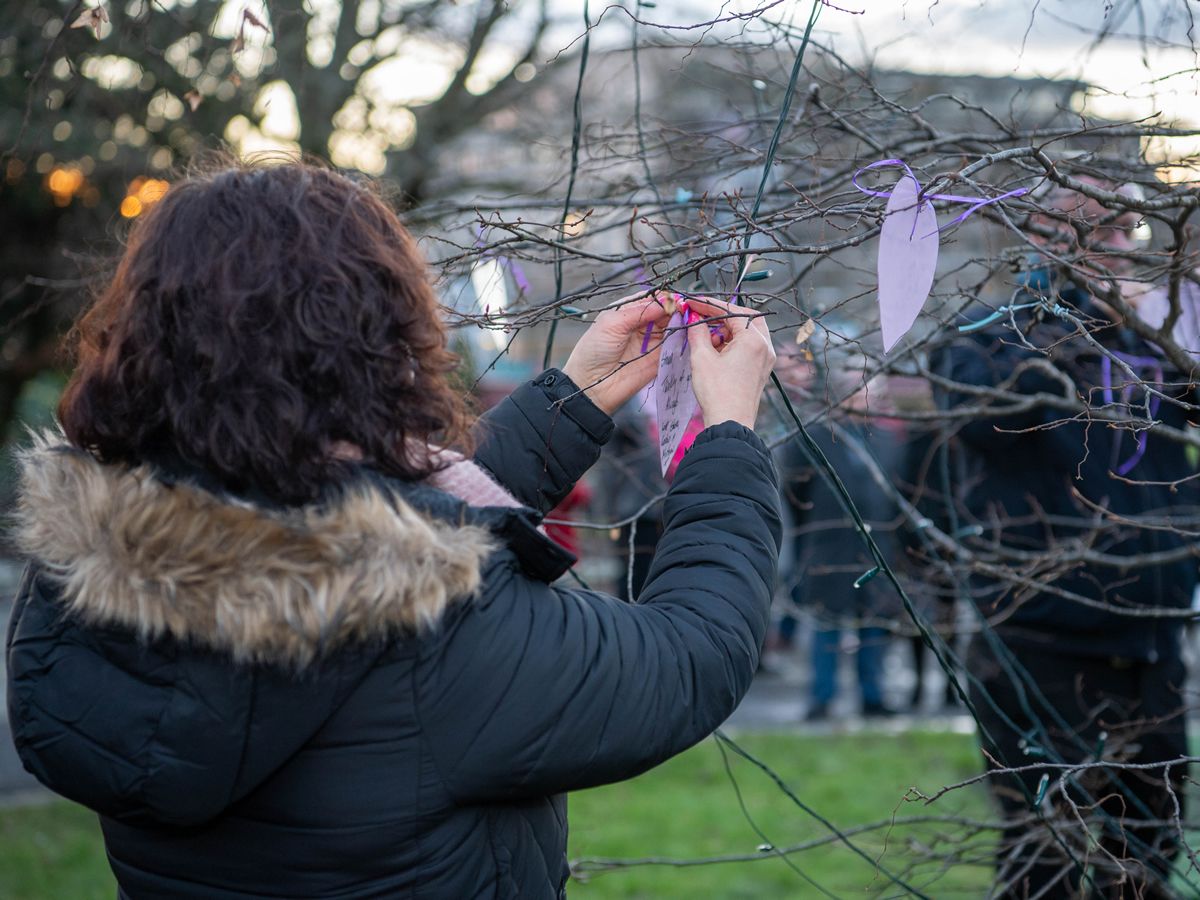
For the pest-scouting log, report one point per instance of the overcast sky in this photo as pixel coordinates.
(1138, 54)
(1145, 61)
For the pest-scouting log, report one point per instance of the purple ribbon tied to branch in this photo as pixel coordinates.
(506, 262)
(1147, 364)
(908, 246)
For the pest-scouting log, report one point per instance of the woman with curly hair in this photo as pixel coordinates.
(285, 637)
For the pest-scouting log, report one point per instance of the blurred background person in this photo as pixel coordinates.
(924, 475)
(829, 555)
(1072, 669)
(630, 488)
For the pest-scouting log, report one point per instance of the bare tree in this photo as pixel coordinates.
(101, 98)
(726, 155)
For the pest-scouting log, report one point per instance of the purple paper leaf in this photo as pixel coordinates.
(908, 251)
(674, 399)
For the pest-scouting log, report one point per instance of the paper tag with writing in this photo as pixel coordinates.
(674, 399)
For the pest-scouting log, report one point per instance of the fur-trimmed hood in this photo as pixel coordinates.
(313, 765)
(273, 586)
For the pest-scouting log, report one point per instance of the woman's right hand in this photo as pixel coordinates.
(728, 379)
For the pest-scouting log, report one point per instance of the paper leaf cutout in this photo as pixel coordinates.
(674, 400)
(908, 251)
(92, 18)
(805, 331)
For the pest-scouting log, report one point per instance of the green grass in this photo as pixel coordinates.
(52, 852)
(687, 808)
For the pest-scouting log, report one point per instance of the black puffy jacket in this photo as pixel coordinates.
(381, 695)
(1041, 483)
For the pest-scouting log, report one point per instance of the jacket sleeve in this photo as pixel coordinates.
(540, 439)
(534, 691)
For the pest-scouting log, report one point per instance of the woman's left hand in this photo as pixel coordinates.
(608, 363)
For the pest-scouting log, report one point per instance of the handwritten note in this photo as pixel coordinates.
(674, 400)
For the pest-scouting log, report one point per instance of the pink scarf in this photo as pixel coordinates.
(464, 479)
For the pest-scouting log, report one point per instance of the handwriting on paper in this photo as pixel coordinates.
(674, 399)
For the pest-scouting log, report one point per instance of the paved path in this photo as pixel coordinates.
(777, 700)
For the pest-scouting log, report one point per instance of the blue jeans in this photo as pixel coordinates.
(869, 661)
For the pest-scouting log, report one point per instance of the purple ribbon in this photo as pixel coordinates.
(922, 197)
(1154, 366)
(507, 262)
(713, 329)
(646, 337)
(639, 275)
(517, 272)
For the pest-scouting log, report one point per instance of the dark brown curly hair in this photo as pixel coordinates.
(259, 316)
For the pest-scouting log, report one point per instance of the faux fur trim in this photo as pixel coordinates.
(281, 588)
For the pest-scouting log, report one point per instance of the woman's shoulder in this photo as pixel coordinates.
(260, 584)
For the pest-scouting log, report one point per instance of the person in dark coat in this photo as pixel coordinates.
(631, 487)
(1083, 661)
(283, 642)
(829, 556)
(925, 478)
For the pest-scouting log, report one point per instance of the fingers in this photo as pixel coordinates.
(697, 345)
(660, 304)
(729, 382)
(639, 310)
(730, 314)
(759, 326)
(726, 330)
(706, 306)
(728, 321)
(709, 306)
(632, 315)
